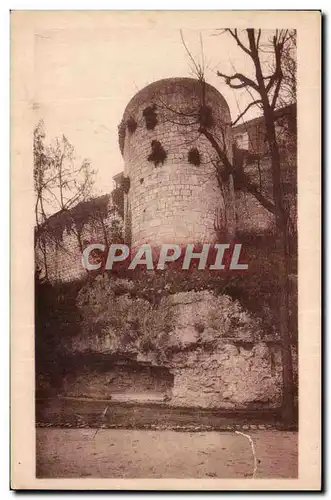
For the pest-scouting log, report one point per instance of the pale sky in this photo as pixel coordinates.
(84, 77)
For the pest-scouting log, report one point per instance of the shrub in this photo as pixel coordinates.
(131, 125)
(112, 309)
(118, 200)
(194, 157)
(150, 116)
(126, 184)
(158, 154)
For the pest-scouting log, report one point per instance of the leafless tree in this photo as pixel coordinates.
(58, 183)
(268, 90)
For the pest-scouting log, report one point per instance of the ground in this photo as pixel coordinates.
(121, 453)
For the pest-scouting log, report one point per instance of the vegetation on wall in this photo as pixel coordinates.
(194, 157)
(129, 322)
(91, 212)
(118, 200)
(113, 312)
(150, 116)
(131, 124)
(118, 195)
(125, 184)
(121, 135)
(158, 154)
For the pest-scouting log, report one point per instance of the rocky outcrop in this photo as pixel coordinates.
(229, 377)
(215, 350)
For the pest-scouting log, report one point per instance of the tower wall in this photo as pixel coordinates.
(173, 201)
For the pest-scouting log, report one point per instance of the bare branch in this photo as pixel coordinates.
(235, 35)
(276, 93)
(245, 81)
(197, 67)
(258, 38)
(250, 105)
(250, 187)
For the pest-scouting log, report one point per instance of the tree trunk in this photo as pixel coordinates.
(288, 410)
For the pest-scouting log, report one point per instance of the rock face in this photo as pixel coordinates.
(214, 349)
(205, 318)
(111, 382)
(224, 362)
(231, 377)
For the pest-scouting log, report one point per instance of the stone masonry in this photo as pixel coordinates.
(174, 201)
(62, 238)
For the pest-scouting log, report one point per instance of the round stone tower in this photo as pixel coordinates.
(172, 192)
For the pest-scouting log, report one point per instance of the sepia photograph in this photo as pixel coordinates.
(162, 205)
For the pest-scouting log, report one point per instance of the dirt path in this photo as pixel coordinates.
(114, 453)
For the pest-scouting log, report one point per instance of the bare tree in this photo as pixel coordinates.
(40, 171)
(58, 183)
(268, 90)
